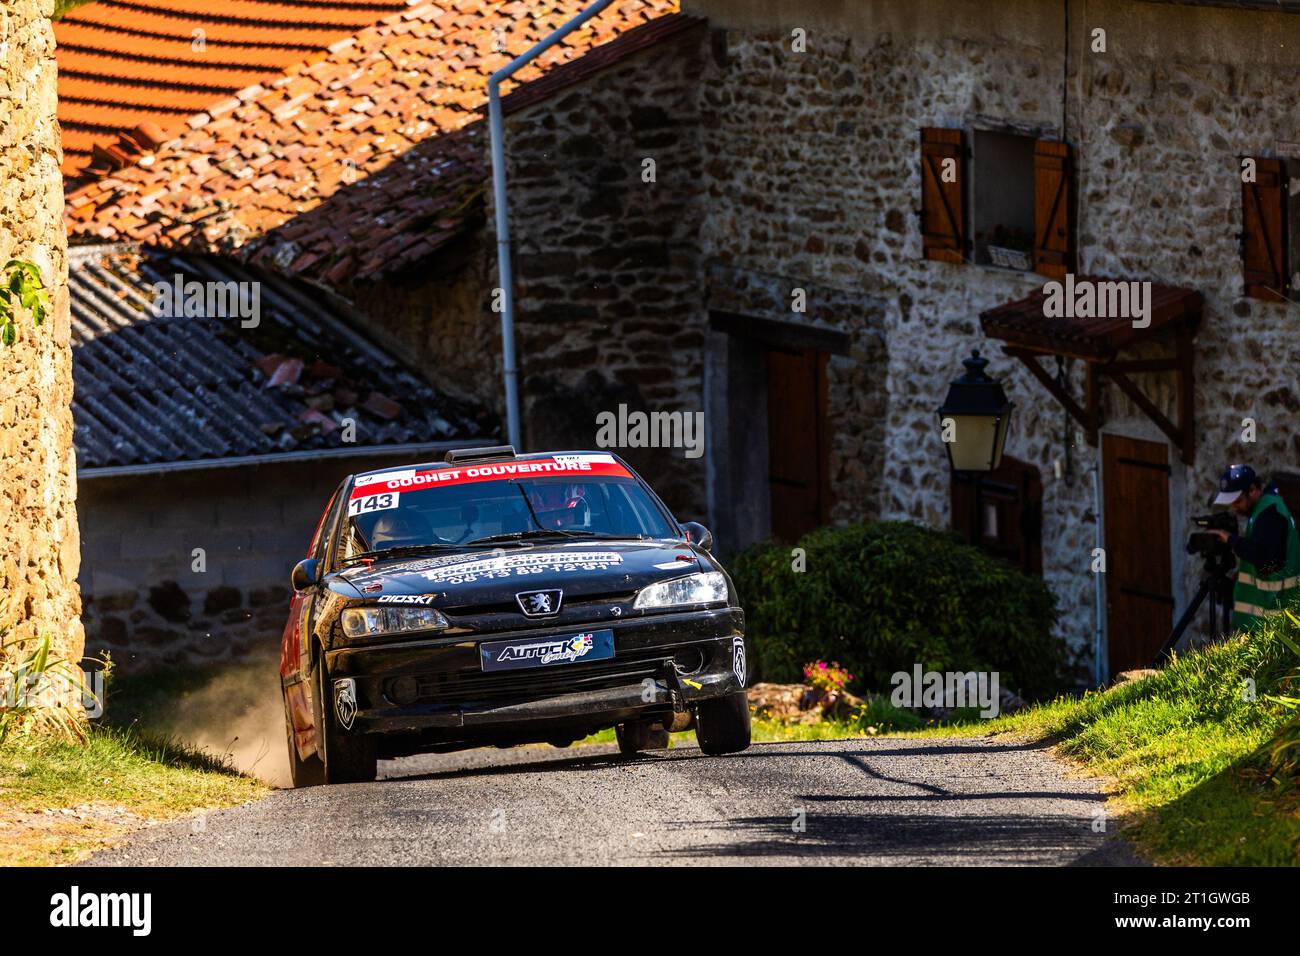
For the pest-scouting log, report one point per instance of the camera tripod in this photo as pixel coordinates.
(1217, 583)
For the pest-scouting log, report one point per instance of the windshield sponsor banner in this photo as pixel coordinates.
(519, 565)
(595, 466)
(516, 654)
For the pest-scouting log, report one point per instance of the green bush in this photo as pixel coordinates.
(880, 598)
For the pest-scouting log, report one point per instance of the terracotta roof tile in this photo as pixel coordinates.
(377, 149)
(122, 63)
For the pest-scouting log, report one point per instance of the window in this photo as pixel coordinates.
(1019, 192)
(1288, 486)
(1293, 220)
(1002, 198)
(1002, 512)
(317, 548)
(467, 513)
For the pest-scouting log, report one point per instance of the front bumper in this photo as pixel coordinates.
(661, 663)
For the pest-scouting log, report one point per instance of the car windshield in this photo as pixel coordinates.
(488, 505)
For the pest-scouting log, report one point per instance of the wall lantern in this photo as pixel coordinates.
(973, 419)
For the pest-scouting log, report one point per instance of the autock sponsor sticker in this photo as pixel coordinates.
(535, 652)
(415, 480)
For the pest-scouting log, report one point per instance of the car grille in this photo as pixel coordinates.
(512, 606)
(534, 683)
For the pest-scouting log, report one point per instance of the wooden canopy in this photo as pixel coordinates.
(1028, 334)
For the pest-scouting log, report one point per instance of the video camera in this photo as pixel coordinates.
(1202, 542)
(1216, 579)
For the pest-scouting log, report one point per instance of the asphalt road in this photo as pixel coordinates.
(881, 801)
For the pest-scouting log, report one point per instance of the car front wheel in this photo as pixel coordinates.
(347, 758)
(722, 724)
(302, 773)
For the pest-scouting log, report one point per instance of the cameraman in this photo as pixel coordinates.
(1268, 553)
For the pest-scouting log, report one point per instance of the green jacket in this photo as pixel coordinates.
(1258, 595)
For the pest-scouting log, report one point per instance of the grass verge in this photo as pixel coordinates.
(1199, 751)
(61, 801)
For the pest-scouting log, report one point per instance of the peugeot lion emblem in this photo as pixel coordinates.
(540, 603)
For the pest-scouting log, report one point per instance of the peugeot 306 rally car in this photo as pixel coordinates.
(501, 599)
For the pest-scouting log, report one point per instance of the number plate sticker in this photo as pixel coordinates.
(380, 502)
(545, 652)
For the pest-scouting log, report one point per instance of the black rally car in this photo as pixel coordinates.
(497, 598)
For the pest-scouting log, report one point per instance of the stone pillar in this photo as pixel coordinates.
(39, 545)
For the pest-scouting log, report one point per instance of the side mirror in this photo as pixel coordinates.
(304, 574)
(698, 535)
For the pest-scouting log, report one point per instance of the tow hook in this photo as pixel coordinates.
(682, 716)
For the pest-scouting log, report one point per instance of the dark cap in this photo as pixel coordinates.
(1233, 482)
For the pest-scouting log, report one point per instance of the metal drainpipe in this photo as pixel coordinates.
(1102, 671)
(497, 132)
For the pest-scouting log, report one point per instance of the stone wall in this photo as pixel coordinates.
(149, 604)
(442, 323)
(609, 296)
(617, 277)
(39, 552)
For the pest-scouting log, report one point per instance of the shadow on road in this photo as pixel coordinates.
(597, 761)
(902, 839)
(758, 751)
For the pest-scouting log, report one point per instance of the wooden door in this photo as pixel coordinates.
(1139, 577)
(797, 442)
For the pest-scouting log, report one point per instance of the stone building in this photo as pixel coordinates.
(799, 270)
(795, 220)
(39, 551)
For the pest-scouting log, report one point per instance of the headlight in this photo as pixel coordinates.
(373, 621)
(708, 587)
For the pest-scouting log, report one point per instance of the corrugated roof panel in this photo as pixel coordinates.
(193, 384)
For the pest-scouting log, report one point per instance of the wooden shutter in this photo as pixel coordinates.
(1263, 231)
(943, 220)
(1053, 209)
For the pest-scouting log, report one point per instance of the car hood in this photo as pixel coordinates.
(490, 576)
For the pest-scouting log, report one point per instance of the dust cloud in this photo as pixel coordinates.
(238, 714)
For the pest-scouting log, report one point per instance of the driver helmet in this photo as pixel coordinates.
(399, 526)
(561, 503)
